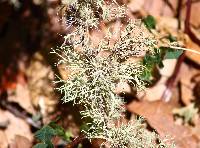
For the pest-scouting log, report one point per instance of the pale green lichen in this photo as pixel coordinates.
(94, 77)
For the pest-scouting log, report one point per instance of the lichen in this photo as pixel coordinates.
(94, 77)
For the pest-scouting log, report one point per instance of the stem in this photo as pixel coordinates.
(171, 81)
(185, 49)
(178, 14)
(188, 14)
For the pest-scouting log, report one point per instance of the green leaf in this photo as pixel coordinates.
(58, 130)
(173, 54)
(40, 145)
(150, 22)
(151, 60)
(146, 75)
(68, 135)
(45, 134)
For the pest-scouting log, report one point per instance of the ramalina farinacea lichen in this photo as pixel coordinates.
(95, 70)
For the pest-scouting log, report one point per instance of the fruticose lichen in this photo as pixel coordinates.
(96, 69)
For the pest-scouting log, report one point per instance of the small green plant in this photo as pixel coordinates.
(47, 132)
(97, 69)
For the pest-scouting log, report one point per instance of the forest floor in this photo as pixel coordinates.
(28, 99)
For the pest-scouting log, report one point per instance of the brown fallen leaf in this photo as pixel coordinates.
(186, 75)
(197, 90)
(64, 72)
(194, 18)
(40, 83)
(159, 7)
(135, 5)
(196, 129)
(16, 126)
(96, 143)
(22, 96)
(159, 116)
(168, 68)
(167, 25)
(154, 93)
(192, 56)
(186, 94)
(20, 142)
(3, 140)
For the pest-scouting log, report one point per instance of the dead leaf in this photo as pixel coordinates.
(191, 45)
(3, 140)
(159, 116)
(194, 18)
(186, 94)
(22, 97)
(136, 5)
(153, 93)
(97, 36)
(168, 68)
(96, 143)
(186, 75)
(20, 142)
(40, 83)
(197, 90)
(196, 129)
(64, 72)
(159, 7)
(167, 25)
(15, 126)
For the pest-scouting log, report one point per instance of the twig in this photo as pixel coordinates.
(193, 2)
(188, 14)
(171, 81)
(193, 37)
(185, 49)
(178, 13)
